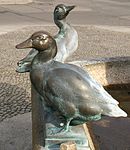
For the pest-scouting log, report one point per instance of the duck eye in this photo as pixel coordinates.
(37, 38)
(43, 38)
(58, 9)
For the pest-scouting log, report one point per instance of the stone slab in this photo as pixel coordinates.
(76, 135)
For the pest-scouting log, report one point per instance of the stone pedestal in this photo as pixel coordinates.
(77, 135)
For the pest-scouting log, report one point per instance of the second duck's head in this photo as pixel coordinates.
(40, 41)
(61, 11)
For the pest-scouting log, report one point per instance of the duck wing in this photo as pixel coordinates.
(108, 104)
(69, 93)
(74, 89)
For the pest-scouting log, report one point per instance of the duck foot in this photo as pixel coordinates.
(53, 130)
(59, 131)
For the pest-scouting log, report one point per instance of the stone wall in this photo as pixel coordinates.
(15, 1)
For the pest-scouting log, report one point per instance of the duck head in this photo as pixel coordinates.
(61, 11)
(42, 42)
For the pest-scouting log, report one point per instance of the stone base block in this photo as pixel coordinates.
(77, 135)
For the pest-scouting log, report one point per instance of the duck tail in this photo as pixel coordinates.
(114, 110)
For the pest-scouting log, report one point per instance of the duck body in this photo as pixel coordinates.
(76, 95)
(67, 89)
(66, 39)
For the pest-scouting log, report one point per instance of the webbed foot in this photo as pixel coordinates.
(56, 130)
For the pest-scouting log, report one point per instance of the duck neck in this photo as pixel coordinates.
(45, 56)
(60, 23)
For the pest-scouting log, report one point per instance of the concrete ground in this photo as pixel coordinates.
(103, 28)
(103, 13)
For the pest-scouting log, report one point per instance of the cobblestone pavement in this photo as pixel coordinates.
(13, 101)
(15, 88)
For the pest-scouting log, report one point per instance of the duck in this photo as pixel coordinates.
(66, 88)
(66, 39)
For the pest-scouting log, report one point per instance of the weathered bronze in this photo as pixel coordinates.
(66, 39)
(67, 91)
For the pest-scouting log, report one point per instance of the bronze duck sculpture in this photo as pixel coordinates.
(66, 39)
(66, 88)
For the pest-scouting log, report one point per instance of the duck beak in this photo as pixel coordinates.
(69, 8)
(25, 44)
